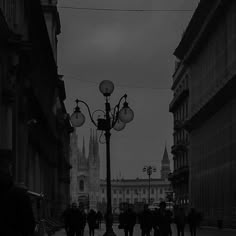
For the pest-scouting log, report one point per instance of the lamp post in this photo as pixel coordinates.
(113, 119)
(149, 170)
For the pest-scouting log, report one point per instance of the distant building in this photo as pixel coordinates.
(208, 52)
(87, 187)
(85, 172)
(135, 191)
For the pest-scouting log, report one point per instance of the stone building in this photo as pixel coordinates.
(179, 107)
(33, 119)
(135, 191)
(85, 172)
(208, 52)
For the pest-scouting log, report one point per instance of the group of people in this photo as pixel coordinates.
(75, 220)
(159, 220)
(181, 219)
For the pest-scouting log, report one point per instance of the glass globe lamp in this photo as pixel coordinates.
(119, 125)
(77, 118)
(106, 87)
(126, 114)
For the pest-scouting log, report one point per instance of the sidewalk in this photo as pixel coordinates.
(204, 231)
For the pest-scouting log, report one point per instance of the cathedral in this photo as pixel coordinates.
(87, 187)
(85, 172)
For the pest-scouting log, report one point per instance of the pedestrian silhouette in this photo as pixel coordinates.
(99, 219)
(164, 220)
(180, 220)
(146, 221)
(16, 211)
(75, 221)
(129, 222)
(193, 219)
(155, 222)
(83, 218)
(92, 221)
(65, 218)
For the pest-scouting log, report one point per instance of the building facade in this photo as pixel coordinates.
(85, 172)
(208, 50)
(136, 191)
(179, 106)
(33, 119)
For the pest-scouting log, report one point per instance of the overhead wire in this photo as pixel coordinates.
(124, 10)
(74, 77)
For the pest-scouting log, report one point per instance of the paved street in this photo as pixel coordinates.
(201, 232)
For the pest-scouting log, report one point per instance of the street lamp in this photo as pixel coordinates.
(149, 170)
(113, 119)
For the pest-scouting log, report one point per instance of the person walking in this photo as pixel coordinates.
(92, 221)
(73, 220)
(193, 221)
(180, 221)
(146, 221)
(16, 210)
(65, 218)
(99, 219)
(83, 217)
(155, 222)
(130, 221)
(164, 220)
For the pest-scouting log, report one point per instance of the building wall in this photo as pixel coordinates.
(36, 135)
(211, 60)
(213, 166)
(136, 190)
(214, 64)
(180, 109)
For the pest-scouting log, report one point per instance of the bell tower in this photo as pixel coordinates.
(165, 165)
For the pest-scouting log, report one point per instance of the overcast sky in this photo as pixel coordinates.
(135, 51)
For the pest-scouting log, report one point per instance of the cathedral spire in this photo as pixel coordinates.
(96, 146)
(165, 159)
(165, 165)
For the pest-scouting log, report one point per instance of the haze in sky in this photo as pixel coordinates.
(135, 51)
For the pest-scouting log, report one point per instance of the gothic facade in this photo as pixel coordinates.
(85, 172)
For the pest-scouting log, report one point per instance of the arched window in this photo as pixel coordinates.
(81, 185)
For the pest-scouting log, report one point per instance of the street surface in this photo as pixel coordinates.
(137, 232)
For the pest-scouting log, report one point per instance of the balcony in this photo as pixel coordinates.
(180, 146)
(180, 175)
(178, 99)
(178, 124)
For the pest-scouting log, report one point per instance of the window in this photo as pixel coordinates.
(127, 191)
(120, 191)
(127, 200)
(103, 190)
(144, 191)
(120, 200)
(81, 185)
(114, 201)
(103, 200)
(114, 191)
(144, 200)
(135, 200)
(161, 190)
(152, 190)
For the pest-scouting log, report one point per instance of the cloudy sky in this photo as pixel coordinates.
(135, 51)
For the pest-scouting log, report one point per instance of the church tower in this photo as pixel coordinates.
(74, 153)
(165, 165)
(94, 170)
(85, 172)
